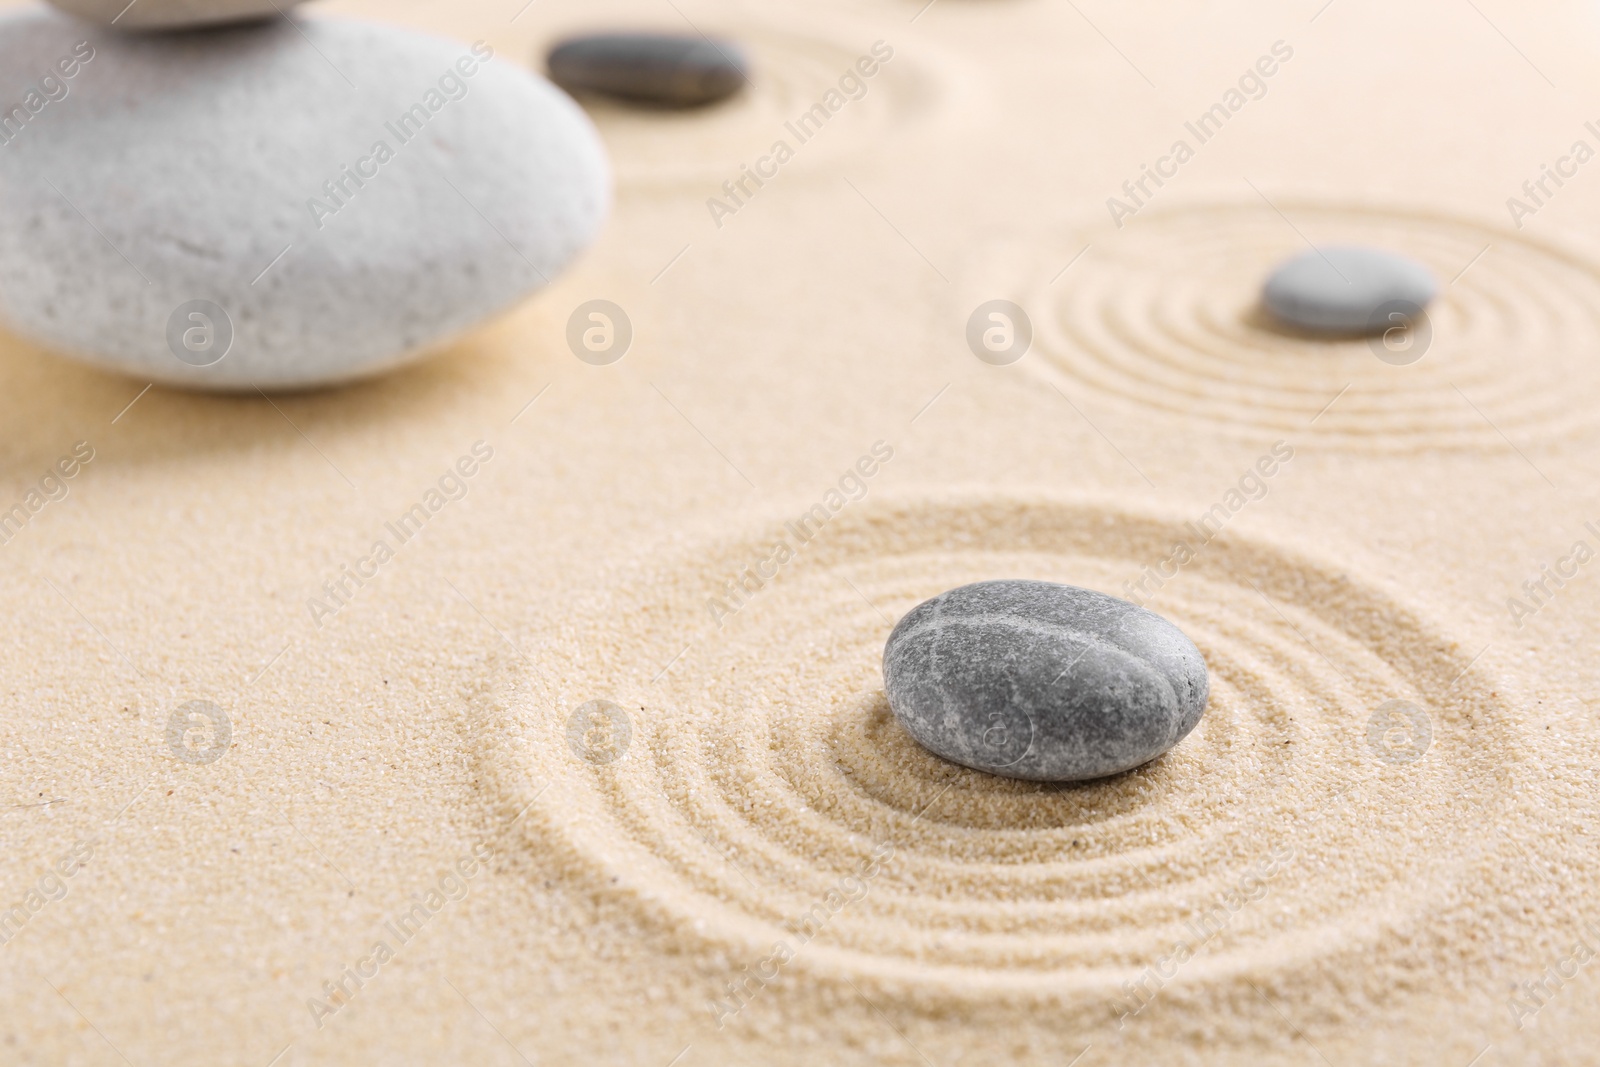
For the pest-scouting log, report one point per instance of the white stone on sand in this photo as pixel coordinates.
(349, 194)
(1347, 289)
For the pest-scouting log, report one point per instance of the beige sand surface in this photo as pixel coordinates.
(1349, 908)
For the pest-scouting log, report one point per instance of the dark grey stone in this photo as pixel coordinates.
(652, 68)
(1347, 289)
(173, 14)
(1042, 681)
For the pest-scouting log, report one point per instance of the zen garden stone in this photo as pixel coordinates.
(1346, 289)
(218, 208)
(650, 68)
(173, 14)
(1042, 681)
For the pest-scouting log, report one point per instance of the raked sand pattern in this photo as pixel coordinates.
(1165, 315)
(801, 81)
(767, 808)
(594, 766)
(764, 776)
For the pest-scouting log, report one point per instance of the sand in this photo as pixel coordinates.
(403, 807)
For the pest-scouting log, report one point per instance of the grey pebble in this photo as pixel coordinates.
(173, 14)
(1346, 289)
(1042, 681)
(218, 208)
(651, 68)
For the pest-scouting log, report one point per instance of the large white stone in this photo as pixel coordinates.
(169, 14)
(174, 168)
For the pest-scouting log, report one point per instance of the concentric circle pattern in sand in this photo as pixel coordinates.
(765, 772)
(1163, 316)
(791, 71)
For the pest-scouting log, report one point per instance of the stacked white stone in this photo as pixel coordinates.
(274, 203)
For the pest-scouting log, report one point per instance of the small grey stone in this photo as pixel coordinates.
(650, 68)
(1042, 681)
(236, 171)
(1344, 289)
(173, 14)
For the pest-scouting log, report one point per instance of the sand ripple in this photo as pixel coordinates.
(1162, 316)
(791, 70)
(765, 767)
